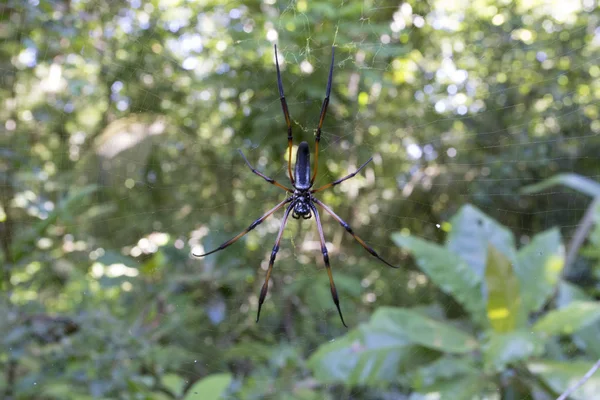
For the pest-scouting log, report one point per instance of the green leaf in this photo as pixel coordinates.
(174, 383)
(504, 300)
(539, 266)
(503, 349)
(470, 233)
(573, 181)
(427, 332)
(443, 369)
(562, 375)
(569, 319)
(469, 387)
(211, 387)
(355, 360)
(448, 271)
(586, 338)
(568, 293)
(371, 355)
(377, 351)
(63, 390)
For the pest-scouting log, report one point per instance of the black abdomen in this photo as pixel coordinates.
(302, 171)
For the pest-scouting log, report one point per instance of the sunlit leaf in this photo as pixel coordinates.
(503, 295)
(569, 319)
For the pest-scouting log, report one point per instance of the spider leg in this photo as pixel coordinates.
(350, 231)
(286, 114)
(322, 117)
(266, 178)
(337, 182)
(265, 286)
(334, 294)
(248, 229)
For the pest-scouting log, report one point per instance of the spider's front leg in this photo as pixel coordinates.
(354, 235)
(266, 178)
(248, 229)
(286, 115)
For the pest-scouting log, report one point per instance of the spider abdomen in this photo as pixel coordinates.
(302, 170)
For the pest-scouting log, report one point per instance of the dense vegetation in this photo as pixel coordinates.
(120, 124)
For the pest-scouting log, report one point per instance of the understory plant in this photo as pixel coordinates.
(521, 331)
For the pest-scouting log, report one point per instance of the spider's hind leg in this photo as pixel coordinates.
(334, 294)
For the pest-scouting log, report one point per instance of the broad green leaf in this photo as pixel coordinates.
(370, 355)
(569, 319)
(470, 233)
(174, 383)
(539, 266)
(503, 349)
(377, 351)
(425, 331)
(352, 360)
(211, 387)
(586, 338)
(443, 369)
(503, 296)
(466, 388)
(577, 182)
(449, 272)
(562, 375)
(591, 251)
(568, 293)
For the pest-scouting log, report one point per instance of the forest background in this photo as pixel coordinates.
(118, 158)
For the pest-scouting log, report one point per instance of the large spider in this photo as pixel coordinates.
(301, 200)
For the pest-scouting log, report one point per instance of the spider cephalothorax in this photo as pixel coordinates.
(301, 203)
(301, 200)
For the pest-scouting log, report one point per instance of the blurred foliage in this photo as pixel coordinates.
(120, 124)
(509, 347)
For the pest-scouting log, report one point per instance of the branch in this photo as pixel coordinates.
(586, 223)
(583, 380)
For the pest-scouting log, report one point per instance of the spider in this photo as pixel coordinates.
(301, 201)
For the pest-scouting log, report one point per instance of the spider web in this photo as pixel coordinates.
(423, 167)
